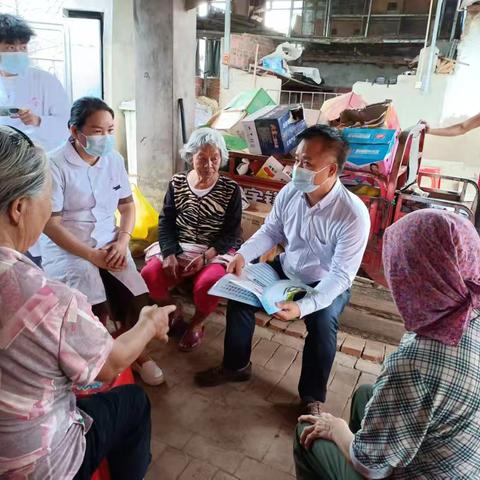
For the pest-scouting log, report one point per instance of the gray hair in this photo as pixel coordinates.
(23, 167)
(201, 137)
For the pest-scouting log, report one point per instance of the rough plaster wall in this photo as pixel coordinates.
(344, 75)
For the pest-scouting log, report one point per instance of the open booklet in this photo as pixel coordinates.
(260, 286)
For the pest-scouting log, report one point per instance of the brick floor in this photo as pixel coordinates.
(243, 431)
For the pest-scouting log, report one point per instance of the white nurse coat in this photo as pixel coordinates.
(45, 96)
(88, 197)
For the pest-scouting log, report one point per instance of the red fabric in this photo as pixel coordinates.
(432, 266)
(159, 284)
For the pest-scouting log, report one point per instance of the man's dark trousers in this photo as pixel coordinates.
(318, 352)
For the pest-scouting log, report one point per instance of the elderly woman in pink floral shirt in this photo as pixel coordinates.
(50, 340)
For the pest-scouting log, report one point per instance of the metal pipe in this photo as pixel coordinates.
(454, 24)
(226, 44)
(427, 33)
(433, 45)
(327, 18)
(367, 25)
(289, 32)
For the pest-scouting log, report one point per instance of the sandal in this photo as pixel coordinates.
(191, 340)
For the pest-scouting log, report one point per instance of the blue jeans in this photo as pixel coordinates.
(318, 352)
(120, 432)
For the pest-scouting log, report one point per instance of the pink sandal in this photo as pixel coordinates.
(191, 340)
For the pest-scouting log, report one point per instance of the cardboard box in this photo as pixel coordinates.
(372, 149)
(278, 129)
(272, 169)
(253, 218)
(248, 102)
(250, 132)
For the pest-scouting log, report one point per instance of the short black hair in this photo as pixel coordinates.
(14, 29)
(84, 107)
(334, 139)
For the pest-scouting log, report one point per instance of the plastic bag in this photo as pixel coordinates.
(146, 217)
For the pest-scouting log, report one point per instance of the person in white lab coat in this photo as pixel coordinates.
(32, 100)
(85, 249)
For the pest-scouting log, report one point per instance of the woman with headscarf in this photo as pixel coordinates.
(421, 419)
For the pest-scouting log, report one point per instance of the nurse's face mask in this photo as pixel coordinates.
(98, 145)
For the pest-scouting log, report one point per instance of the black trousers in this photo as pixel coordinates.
(320, 343)
(121, 305)
(120, 432)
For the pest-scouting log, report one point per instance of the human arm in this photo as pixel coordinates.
(328, 427)
(348, 253)
(229, 236)
(152, 323)
(87, 351)
(117, 250)
(456, 129)
(396, 421)
(66, 240)
(53, 126)
(168, 234)
(62, 236)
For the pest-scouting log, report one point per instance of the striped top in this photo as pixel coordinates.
(213, 220)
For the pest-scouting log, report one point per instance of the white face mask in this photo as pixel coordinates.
(304, 180)
(99, 145)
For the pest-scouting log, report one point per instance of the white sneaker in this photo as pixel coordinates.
(150, 373)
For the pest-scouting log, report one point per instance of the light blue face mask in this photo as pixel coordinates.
(99, 145)
(304, 180)
(16, 63)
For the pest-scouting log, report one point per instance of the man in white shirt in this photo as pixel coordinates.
(324, 229)
(38, 103)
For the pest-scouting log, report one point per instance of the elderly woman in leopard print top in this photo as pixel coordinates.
(200, 220)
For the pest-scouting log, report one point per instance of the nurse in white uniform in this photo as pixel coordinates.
(38, 102)
(85, 249)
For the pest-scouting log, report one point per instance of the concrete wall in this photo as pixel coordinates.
(165, 41)
(241, 81)
(451, 99)
(344, 75)
(123, 65)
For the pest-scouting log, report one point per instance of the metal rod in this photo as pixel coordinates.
(226, 44)
(433, 45)
(454, 24)
(327, 18)
(289, 33)
(427, 33)
(367, 25)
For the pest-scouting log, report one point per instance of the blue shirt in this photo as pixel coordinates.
(323, 243)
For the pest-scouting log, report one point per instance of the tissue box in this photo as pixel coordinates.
(371, 149)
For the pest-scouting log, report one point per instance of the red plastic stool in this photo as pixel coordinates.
(125, 378)
(434, 181)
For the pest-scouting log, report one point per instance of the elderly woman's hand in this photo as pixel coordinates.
(157, 318)
(194, 266)
(171, 267)
(324, 426)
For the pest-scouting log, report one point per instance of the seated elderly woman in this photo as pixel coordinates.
(422, 419)
(50, 340)
(200, 220)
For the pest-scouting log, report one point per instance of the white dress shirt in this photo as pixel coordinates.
(88, 196)
(45, 96)
(324, 243)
